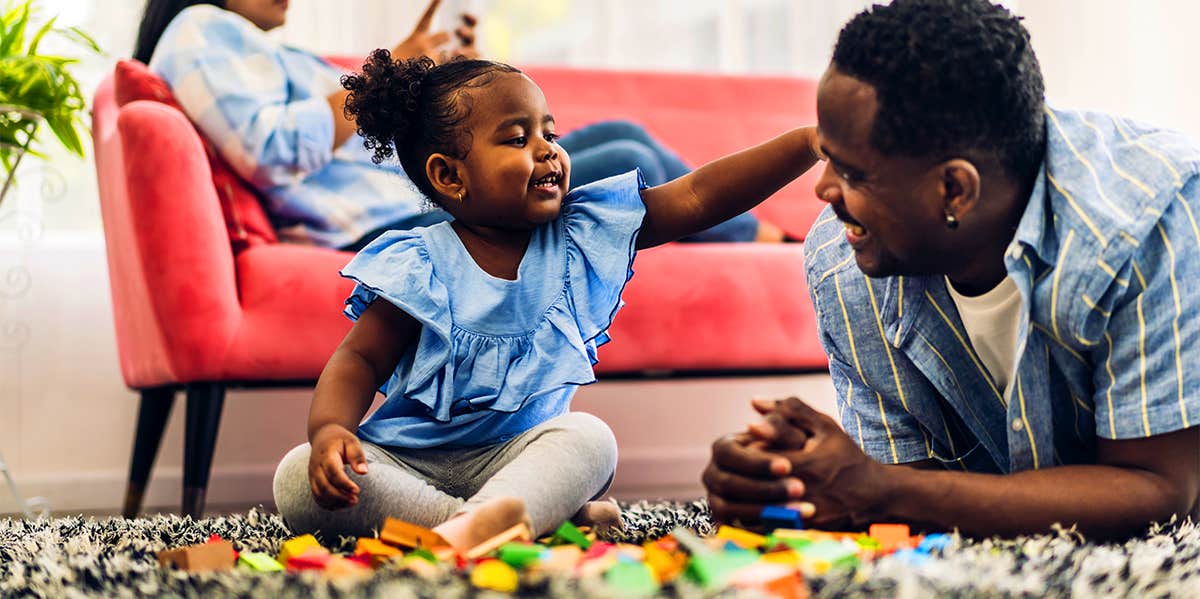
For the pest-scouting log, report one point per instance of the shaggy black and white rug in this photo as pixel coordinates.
(88, 557)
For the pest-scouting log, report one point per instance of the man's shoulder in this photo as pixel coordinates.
(211, 24)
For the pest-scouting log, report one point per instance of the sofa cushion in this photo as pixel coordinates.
(245, 218)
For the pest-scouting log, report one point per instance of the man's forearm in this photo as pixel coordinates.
(1104, 501)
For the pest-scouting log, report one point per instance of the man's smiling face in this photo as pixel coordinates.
(891, 205)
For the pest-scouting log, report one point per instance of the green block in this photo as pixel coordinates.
(834, 552)
(796, 544)
(867, 542)
(712, 570)
(567, 533)
(520, 555)
(632, 579)
(424, 554)
(690, 543)
(259, 562)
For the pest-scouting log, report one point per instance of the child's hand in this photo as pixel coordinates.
(333, 446)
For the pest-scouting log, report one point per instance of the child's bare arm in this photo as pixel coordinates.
(364, 361)
(725, 187)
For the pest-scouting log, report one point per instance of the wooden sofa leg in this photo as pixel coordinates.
(204, 403)
(153, 410)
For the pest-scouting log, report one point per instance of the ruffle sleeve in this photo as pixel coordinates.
(397, 268)
(601, 221)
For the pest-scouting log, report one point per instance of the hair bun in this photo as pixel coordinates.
(384, 101)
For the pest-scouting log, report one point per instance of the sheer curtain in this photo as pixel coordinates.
(725, 36)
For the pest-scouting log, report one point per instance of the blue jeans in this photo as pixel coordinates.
(608, 148)
(599, 151)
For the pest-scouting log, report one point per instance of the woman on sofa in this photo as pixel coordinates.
(276, 114)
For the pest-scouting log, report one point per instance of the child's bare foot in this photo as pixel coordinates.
(600, 515)
(466, 530)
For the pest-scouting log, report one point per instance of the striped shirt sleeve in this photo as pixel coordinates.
(1146, 380)
(229, 78)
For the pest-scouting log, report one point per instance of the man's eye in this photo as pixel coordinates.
(552, 137)
(849, 177)
(516, 141)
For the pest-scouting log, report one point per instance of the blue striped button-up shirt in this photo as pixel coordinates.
(1107, 261)
(264, 107)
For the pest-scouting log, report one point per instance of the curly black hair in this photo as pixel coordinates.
(414, 108)
(951, 77)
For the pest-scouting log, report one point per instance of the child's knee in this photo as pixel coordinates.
(293, 496)
(593, 436)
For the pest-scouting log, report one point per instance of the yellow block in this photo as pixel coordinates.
(298, 546)
(665, 565)
(742, 538)
(495, 575)
(787, 558)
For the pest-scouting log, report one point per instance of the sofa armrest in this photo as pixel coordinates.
(180, 235)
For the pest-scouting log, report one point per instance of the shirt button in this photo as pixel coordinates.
(1018, 425)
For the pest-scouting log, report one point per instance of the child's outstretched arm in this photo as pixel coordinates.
(363, 362)
(725, 187)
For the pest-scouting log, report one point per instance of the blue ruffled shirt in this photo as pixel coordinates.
(496, 357)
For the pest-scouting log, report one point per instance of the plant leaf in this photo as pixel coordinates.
(37, 38)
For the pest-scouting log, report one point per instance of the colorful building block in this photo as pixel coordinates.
(404, 534)
(521, 555)
(205, 557)
(259, 562)
(775, 580)
(777, 516)
(666, 565)
(495, 575)
(822, 556)
(890, 536)
(935, 542)
(690, 543)
(296, 546)
(341, 567)
(559, 559)
(376, 551)
(520, 532)
(712, 570)
(315, 558)
(743, 538)
(568, 533)
(632, 579)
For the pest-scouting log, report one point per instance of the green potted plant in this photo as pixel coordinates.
(36, 89)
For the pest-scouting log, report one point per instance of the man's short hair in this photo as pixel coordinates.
(952, 77)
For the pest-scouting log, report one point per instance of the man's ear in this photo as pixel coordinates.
(443, 174)
(960, 187)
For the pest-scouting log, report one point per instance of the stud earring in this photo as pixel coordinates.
(951, 221)
(460, 196)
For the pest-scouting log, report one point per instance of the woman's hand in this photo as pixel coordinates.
(334, 446)
(422, 42)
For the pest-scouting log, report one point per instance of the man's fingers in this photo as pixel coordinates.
(735, 487)
(739, 458)
(735, 512)
(787, 436)
(803, 415)
(427, 18)
(763, 405)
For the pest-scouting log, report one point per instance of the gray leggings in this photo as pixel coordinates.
(554, 467)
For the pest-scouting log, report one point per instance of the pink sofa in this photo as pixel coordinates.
(190, 314)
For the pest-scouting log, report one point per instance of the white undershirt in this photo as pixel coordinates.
(992, 321)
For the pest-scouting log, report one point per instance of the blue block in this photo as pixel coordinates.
(933, 542)
(775, 516)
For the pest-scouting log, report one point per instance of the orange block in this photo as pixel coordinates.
(519, 532)
(205, 557)
(775, 580)
(402, 534)
(890, 536)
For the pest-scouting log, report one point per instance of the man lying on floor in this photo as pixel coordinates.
(1008, 303)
